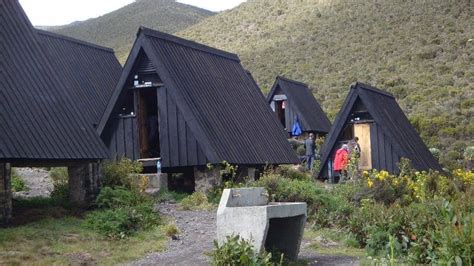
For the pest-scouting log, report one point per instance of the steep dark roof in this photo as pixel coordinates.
(38, 120)
(89, 71)
(224, 107)
(310, 113)
(386, 112)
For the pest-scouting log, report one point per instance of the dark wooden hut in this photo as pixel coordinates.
(42, 123)
(190, 105)
(384, 132)
(291, 101)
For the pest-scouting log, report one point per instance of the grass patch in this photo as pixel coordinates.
(18, 184)
(171, 196)
(196, 202)
(332, 242)
(65, 241)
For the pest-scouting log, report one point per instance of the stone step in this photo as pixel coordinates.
(152, 191)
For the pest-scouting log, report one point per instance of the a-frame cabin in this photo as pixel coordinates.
(42, 123)
(291, 101)
(189, 105)
(384, 132)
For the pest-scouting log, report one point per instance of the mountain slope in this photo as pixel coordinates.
(422, 51)
(118, 28)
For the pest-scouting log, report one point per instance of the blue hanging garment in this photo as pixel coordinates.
(296, 130)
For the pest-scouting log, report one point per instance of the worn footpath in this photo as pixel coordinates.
(198, 231)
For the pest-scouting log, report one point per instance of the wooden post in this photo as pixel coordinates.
(5, 193)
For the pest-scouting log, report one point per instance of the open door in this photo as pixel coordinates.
(280, 107)
(362, 131)
(148, 123)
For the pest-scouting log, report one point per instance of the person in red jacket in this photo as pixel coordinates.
(341, 160)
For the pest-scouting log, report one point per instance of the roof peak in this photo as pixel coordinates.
(185, 42)
(371, 88)
(74, 40)
(292, 81)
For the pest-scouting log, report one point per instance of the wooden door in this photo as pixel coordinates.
(362, 131)
(142, 128)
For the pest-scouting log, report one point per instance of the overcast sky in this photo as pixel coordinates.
(60, 12)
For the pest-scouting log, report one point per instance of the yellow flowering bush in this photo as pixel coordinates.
(416, 186)
(421, 217)
(466, 177)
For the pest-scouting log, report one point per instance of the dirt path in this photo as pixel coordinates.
(198, 232)
(197, 235)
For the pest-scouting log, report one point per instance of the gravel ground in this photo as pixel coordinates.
(197, 235)
(198, 232)
(38, 182)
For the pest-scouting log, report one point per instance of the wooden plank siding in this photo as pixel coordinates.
(178, 146)
(164, 126)
(384, 155)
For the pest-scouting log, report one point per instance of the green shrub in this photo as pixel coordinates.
(122, 173)
(123, 213)
(195, 201)
(469, 153)
(295, 143)
(171, 230)
(436, 153)
(118, 197)
(417, 217)
(18, 184)
(280, 188)
(166, 195)
(60, 178)
(300, 150)
(237, 251)
(292, 173)
(59, 174)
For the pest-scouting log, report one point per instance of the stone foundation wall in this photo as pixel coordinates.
(5, 193)
(84, 183)
(205, 179)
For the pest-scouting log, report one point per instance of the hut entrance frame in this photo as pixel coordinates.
(280, 108)
(279, 105)
(148, 123)
(362, 131)
(146, 86)
(359, 125)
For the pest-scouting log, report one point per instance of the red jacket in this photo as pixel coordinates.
(341, 160)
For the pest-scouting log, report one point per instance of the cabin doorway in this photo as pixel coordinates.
(280, 107)
(362, 131)
(148, 123)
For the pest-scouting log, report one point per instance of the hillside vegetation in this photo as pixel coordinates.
(421, 51)
(118, 29)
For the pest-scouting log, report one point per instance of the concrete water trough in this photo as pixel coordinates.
(270, 226)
